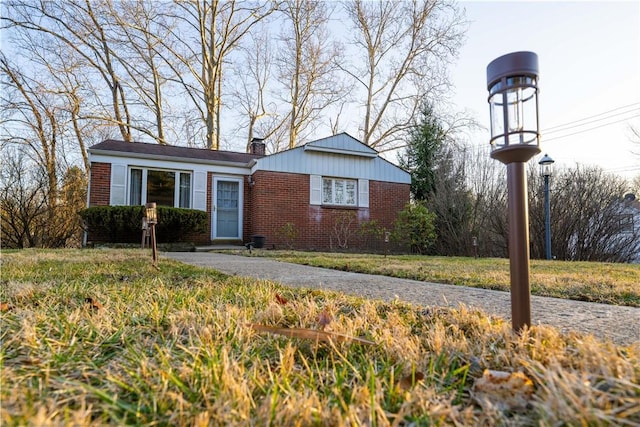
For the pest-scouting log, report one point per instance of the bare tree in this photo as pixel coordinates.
(307, 65)
(28, 217)
(36, 120)
(142, 31)
(210, 30)
(257, 115)
(75, 30)
(588, 214)
(635, 134)
(23, 202)
(403, 48)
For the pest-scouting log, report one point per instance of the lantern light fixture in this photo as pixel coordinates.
(546, 165)
(152, 213)
(512, 81)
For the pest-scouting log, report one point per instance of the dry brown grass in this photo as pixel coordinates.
(174, 347)
(606, 283)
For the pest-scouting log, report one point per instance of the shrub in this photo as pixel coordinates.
(371, 234)
(123, 224)
(175, 223)
(415, 226)
(342, 230)
(289, 233)
(114, 224)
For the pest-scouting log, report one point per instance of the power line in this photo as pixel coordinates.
(591, 117)
(590, 129)
(593, 121)
(624, 169)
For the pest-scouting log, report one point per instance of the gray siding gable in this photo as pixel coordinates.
(337, 156)
(342, 143)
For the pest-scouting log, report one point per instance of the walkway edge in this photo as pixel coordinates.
(619, 324)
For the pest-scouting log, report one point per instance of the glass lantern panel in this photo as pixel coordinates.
(514, 109)
(522, 115)
(530, 113)
(497, 116)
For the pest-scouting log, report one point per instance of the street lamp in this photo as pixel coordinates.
(546, 165)
(513, 101)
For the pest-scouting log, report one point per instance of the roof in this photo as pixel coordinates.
(338, 155)
(140, 149)
(342, 143)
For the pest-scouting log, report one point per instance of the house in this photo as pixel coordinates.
(315, 196)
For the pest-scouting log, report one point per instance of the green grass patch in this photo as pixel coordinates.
(101, 337)
(606, 283)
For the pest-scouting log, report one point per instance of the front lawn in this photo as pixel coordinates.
(101, 337)
(606, 283)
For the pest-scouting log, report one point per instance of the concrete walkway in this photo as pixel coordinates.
(608, 322)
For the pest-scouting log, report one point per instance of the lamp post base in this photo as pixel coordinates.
(519, 246)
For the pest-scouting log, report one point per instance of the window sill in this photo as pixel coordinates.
(342, 207)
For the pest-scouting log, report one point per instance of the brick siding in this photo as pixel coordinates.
(279, 198)
(100, 184)
(276, 199)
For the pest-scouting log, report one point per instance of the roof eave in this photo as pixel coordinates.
(111, 153)
(340, 151)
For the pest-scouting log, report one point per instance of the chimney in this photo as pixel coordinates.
(257, 146)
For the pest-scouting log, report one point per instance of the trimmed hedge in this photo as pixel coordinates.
(123, 224)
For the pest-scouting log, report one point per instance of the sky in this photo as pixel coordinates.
(589, 62)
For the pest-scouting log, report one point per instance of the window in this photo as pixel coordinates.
(161, 187)
(166, 188)
(135, 193)
(340, 192)
(185, 190)
(625, 222)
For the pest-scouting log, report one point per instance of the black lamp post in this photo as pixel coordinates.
(546, 164)
(515, 138)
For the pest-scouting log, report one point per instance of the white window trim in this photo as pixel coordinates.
(176, 185)
(316, 188)
(333, 192)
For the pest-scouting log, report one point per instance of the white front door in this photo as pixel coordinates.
(227, 208)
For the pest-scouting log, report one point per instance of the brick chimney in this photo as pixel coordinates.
(257, 146)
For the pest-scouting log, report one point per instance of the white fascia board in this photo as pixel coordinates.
(340, 151)
(162, 162)
(102, 154)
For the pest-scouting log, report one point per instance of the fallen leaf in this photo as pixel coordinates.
(93, 303)
(281, 300)
(408, 382)
(506, 391)
(5, 306)
(309, 334)
(324, 318)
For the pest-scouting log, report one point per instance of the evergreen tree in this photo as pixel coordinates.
(421, 156)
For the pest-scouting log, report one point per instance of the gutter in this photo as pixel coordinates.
(110, 153)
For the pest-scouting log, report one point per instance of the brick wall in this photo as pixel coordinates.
(100, 184)
(279, 198)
